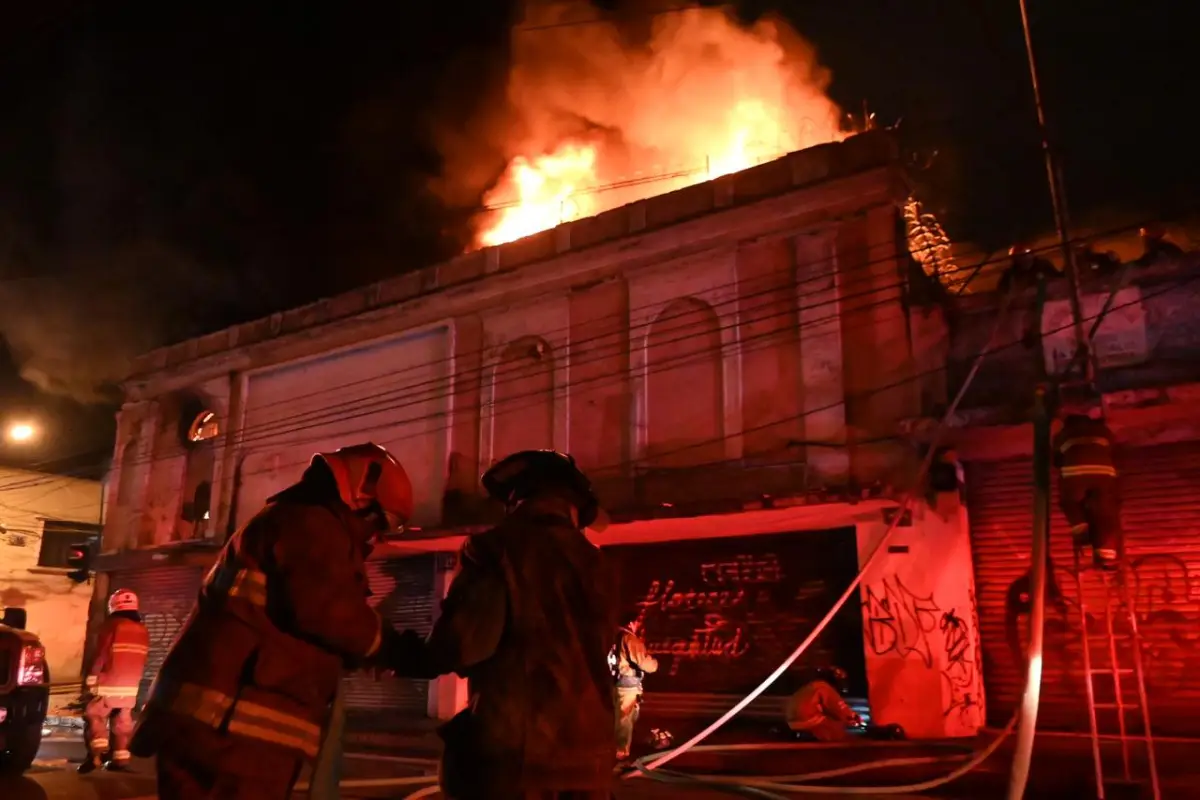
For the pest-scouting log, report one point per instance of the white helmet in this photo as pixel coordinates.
(122, 600)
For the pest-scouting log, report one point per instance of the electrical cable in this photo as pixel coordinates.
(25, 483)
(698, 444)
(648, 766)
(538, 394)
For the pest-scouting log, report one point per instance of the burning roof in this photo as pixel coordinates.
(604, 121)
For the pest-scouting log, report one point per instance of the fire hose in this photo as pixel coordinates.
(773, 786)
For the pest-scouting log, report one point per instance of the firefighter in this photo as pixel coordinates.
(1087, 488)
(818, 711)
(528, 621)
(1093, 262)
(1025, 269)
(1155, 246)
(242, 698)
(630, 662)
(112, 683)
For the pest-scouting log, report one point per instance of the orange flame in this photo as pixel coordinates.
(606, 124)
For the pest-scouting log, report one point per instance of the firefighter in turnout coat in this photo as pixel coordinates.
(818, 711)
(242, 698)
(630, 662)
(112, 683)
(1087, 490)
(529, 621)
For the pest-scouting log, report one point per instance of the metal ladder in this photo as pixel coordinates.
(1116, 593)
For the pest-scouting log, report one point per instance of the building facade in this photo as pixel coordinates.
(41, 517)
(731, 363)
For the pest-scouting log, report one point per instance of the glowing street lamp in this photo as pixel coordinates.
(21, 432)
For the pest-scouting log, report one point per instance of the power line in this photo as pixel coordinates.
(383, 401)
(496, 412)
(316, 417)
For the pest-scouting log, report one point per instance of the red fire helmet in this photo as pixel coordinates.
(366, 474)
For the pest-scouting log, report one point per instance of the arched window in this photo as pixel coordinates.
(204, 427)
(523, 399)
(684, 386)
(196, 510)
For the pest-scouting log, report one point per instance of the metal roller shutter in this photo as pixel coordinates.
(722, 614)
(1160, 489)
(166, 596)
(402, 591)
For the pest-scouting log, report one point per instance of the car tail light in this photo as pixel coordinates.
(32, 670)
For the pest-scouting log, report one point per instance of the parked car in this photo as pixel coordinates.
(24, 692)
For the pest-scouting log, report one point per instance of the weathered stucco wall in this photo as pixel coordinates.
(714, 353)
(58, 608)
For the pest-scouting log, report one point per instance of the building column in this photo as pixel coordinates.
(447, 694)
(921, 634)
(822, 379)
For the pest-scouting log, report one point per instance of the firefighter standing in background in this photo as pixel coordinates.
(1156, 247)
(817, 710)
(1025, 269)
(1087, 492)
(630, 662)
(242, 698)
(528, 620)
(112, 683)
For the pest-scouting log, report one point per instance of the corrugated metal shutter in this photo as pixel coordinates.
(1160, 489)
(166, 595)
(721, 614)
(402, 591)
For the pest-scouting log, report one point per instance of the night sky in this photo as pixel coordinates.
(168, 169)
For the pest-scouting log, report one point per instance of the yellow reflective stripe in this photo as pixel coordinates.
(248, 719)
(117, 691)
(140, 649)
(92, 680)
(1089, 469)
(98, 743)
(206, 705)
(121, 755)
(250, 585)
(378, 640)
(260, 722)
(1080, 441)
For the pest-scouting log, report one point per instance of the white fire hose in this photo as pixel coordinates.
(771, 786)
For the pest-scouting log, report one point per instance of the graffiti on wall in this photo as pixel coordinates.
(909, 625)
(722, 614)
(899, 622)
(1166, 601)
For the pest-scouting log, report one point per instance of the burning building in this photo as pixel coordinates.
(730, 361)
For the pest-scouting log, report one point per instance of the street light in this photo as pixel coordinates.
(21, 432)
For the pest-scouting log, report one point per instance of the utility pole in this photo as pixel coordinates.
(1059, 202)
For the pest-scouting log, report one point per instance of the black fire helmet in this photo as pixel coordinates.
(518, 476)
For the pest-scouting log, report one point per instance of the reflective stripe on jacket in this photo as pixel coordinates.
(633, 660)
(279, 616)
(116, 670)
(1084, 447)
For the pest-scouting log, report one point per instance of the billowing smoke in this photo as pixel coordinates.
(600, 114)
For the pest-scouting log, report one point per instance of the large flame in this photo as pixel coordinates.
(604, 123)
